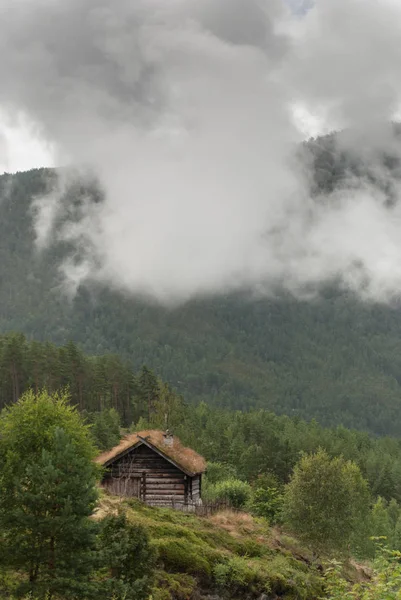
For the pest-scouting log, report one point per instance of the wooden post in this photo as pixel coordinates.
(144, 486)
(185, 489)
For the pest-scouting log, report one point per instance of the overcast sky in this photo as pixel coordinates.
(188, 113)
(22, 148)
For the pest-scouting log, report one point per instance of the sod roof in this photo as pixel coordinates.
(186, 459)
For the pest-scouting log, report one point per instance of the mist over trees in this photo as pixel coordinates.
(332, 357)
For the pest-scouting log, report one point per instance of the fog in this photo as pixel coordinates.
(184, 111)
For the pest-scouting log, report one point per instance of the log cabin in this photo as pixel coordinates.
(156, 468)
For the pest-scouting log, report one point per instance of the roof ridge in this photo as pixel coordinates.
(185, 458)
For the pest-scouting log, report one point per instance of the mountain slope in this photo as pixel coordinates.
(335, 358)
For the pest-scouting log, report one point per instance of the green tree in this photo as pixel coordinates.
(266, 498)
(106, 428)
(47, 494)
(127, 559)
(147, 394)
(396, 541)
(381, 523)
(325, 501)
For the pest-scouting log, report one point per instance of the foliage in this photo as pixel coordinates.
(106, 428)
(179, 586)
(326, 501)
(183, 556)
(127, 557)
(221, 556)
(217, 471)
(95, 384)
(147, 393)
(47, 494)
(234, 491)
(237, 575)
(266, 498)
(384, 584)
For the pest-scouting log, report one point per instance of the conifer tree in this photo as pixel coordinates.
(106, 428)
(147, 393)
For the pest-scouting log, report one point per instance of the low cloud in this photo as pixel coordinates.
(184, 113)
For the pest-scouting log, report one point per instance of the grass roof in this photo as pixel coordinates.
(186, 459)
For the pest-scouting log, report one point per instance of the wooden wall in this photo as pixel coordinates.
(144, 474)
(196, 488)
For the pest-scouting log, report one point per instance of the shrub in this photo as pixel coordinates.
(384, 584)
(235, 575)
(235, 491)
(266, 498)
(178, 585)
(180, 555)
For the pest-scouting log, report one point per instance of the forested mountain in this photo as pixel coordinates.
(334, 358)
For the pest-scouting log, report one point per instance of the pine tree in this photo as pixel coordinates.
(147, 393)
(106, 429)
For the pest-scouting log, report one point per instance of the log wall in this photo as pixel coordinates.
(196, 488)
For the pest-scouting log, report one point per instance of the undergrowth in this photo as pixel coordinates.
(230, 553)
(233, 556)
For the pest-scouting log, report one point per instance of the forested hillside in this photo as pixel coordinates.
(334, 358)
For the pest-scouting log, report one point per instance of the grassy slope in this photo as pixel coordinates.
(230, 554)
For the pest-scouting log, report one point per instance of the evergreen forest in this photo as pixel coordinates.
(334, 358)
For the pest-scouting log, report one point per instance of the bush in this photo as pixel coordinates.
(235, 575)
(235, 491)
(266, 498)
(180, 555)
(384, 583)
(178, 585)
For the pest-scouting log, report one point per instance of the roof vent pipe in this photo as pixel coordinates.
(168, 438)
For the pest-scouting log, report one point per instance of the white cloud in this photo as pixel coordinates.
(20, 146)
(184, 110)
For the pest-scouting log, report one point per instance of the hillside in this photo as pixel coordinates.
(227, 555)
(334, 358)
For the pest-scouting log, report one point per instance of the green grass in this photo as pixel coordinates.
(230, 554)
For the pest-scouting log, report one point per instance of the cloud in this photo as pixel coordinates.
(184, 111)
(3, 150)
(347, 59)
